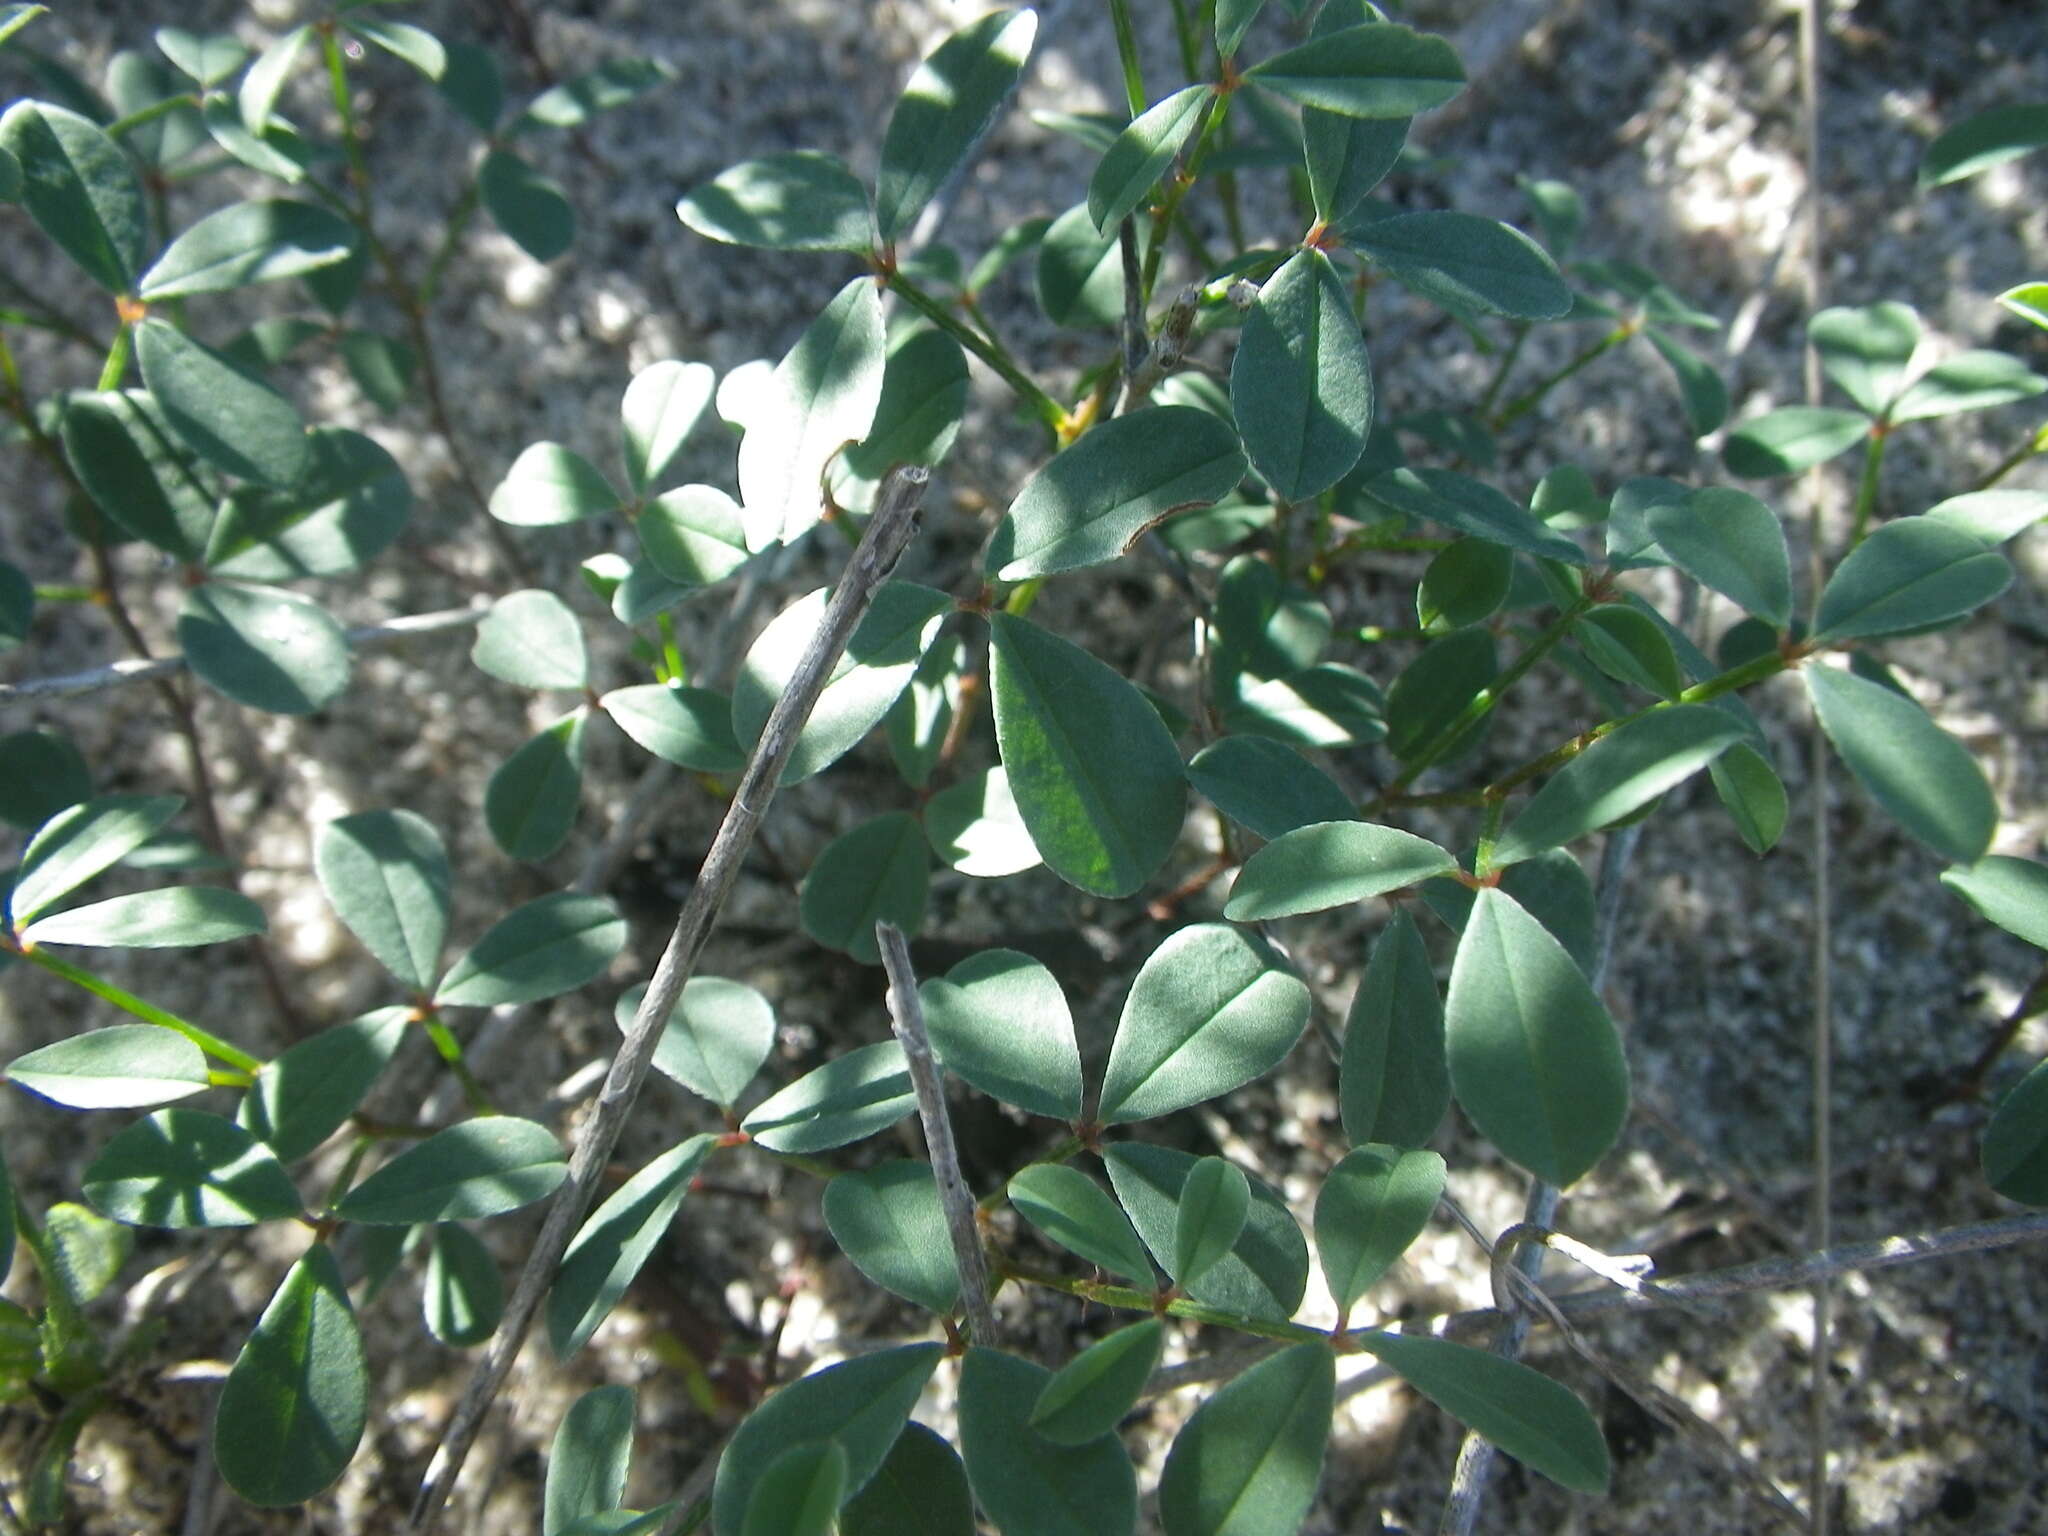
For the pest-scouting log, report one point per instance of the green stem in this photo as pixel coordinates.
(672, 668)
(1019, 602)
(458, 225)
(1508, 359)
(2036, 444)
(1047, 409)
(1127, 56)
(451, 1052)
(1131, 1299)
(1528, 402)
(66, 595)
(120, 127)
(1866, 487)
(149, 1013)
(1215, 112)
(1489, 833)
(117, 359)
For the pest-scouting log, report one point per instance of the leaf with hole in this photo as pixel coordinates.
(1393, 1084)
(1072, 1210)
(861, 1405)
(81, 190)
(1535, 1060)
(616, 1241)
(187, 1168)
(717, 1036)
(1248, 1462)
(1331, 864)
(1301, 383)
(1132, 165)
(531, 801)
(804, 201)
(294, 1403)
(303, 1095)
(482, 1167)
(1091, 1393)
(889, 1222)
(542, 949)
(949, 104)
(1924, 778)
(126, 1066)
(1266, 1272)
(848, 1099)
(1026, 1483)
(1909, 575)
(1377, 70)
(690, 727)
(386, 875)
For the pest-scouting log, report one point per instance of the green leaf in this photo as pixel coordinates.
(1617, 776)
(78, 843)
(1792, 438)
(17, 606)
(1248, 1462)
(351, 504)
(889, 1221)
(1552, 888)
(1093, 502)
(661, 409)
(1473, 507)
(1211, 1009)
(1000, 1023)
(208, 60)
(463, 1292)
(479, 1168)
(1233, 19)
(1347, 157)
(178, 917)
(7, 1222)
(1214, 1203)
(230, 418)
(41, 773)
(1866, 351)
(851, 1097)
(1265, 786)
(949, 104)
(1093, 769)
(1750, 789)
(265, 80)
(87, 1252)
(1328, 705)
(542, 949)
(533, 639)
(1331, 864)
(890, 640)
(1702, 390)
(1266, 1273)
(1987, 139)
(921, 719)
(823, 395)
(269, 649)
(137, 471)
(716, 1037)
(1134, 163)
(254, 242)
(1074, 1211)
(1080, 273)
(1371, 1207)
(2029, 301)
(532, 799)
(860, 1405)
(920, 1490)
(695, 535)
(1522, 1411)
(1733, 543)
(803, 201)
(1923, 777)
(1969, 381)
(1992, 516)
(187, 1168)
(1464, 584)
(690, 727)
(2015, 1151)
(1094, 1390)
(549, 485)
(293, 1406)
(615, 1243)
(1534, 1058)
(531, 209)
(2013, 893)
(611, 85)
(924, 398)
(301, 1097)
(1393, 1084)
(1433, 691)
(1301, 383)
(877, 872)
(1377, 70)
(1465, 262)
(1630, 647)
(279, 151)
(414, 45)
(386, 875)
(1027, 1484)
(975, 827)
(799, 1492)
(589, 1460)
(128, 1066)
(80, 189)
(1907, 576)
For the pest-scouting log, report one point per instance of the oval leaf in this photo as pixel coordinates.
(888, 1220)
(1248, 1462)
(464, 1293)
(716, 1037)
(549, 485)
(1393, 1084)
(695, 535)
(1473, 507)
(230, 418)
(1000, 1023)
(1132, 166)
(804, 201)
(1266, 786)
(351, 504)
(138, 473)
(975, 827)
(799, 1492)
(1375, 70)
(261, 241)
(1094, 1390)
(1330, 864)
(479, 1168)
(1213, 1205)
(175, 918)
(1792, 438)
(1072, 1210)
(2015, 1152)
(78, 843)
(942, 114)
(129, 1066)
(80, 189)
(1733, 543)
(1372, 1206)
(530, 208)
(531, 801)
(294, 1403)
(2012, 893)
(542, 949)
(690, 727)
(1909, 575)
(264, 647)
(662, 407)
(878, 872)
(186, 1168)
(1465, 262)
(1092, 502)
(1266, 1272)
(848, 1099)
(531, 638)
(1093, 769)
(920, 1490)
(1534, 1058)
(616, 1241)
(1301, 384)
(589, 1460)
(301, 1098)
(386, 874)
(1027, 1484)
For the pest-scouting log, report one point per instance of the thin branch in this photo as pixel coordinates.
(906, 1016)
(889, 531)
(368, 637)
